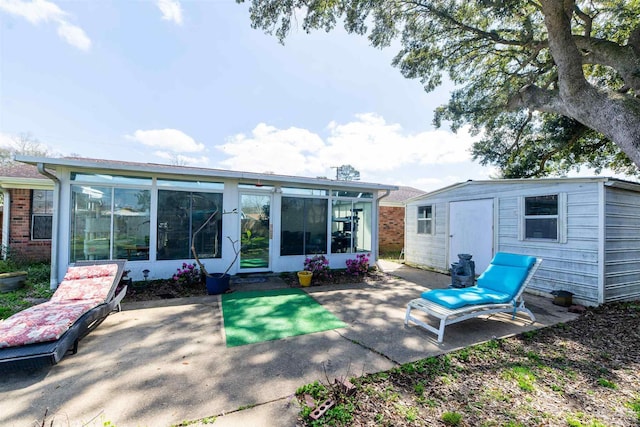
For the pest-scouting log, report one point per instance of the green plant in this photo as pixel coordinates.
(523, 376)
(315, 390)
(37, 287)
(606, 383)
(8, 265)
(635, 407)
(452, 418)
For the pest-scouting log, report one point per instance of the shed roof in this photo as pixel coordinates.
(608, 181)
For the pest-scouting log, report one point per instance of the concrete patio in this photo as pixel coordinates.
(162, 362)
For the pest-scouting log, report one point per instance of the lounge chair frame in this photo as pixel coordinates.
(450, 316)
(51, 352)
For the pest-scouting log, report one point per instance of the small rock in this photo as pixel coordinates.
(577, 308)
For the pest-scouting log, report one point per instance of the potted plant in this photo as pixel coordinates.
(216, 283)
(317, 267)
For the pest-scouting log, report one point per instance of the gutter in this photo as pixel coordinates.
(6, 219)
(53, 278)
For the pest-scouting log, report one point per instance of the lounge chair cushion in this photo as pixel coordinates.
(42, 323)
(83, 289)
(474, 295)
(513, 260)
(505, 278)
(90, 271)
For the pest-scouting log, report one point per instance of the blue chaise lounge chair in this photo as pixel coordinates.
(45, 332)
(498, 290)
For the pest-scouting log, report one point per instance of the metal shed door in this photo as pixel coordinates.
(471, 231)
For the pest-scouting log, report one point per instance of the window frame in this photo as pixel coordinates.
(47, 213)
(561, 207)
(425, 220)
(305, 244)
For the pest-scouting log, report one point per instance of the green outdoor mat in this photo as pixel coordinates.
(256, 316)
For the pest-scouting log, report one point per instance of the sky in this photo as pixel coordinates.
(166, 81)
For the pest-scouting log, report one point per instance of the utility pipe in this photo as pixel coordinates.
(6, 221)
(53, 279)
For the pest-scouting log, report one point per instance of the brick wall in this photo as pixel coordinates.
(20, 243)
(391, 228)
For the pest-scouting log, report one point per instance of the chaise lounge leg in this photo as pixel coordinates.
(407, 315)
(443, 324)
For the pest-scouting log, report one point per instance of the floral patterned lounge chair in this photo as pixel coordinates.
(45, 332)
(498, 290)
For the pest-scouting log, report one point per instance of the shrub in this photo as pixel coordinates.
(187, 275)
(319, 266)
(358, 266)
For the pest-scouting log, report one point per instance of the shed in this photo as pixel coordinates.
(587, 230)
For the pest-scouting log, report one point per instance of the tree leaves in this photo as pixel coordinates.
(508, 58)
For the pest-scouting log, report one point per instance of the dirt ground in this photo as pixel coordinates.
(583, 373)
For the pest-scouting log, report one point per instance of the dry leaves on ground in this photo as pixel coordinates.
(583, 373)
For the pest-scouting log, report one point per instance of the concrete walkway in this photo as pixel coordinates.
(163, 362)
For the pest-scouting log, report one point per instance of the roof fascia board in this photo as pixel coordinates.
(26, 183)
(166, 170)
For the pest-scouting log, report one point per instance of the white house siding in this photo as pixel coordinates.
(426, 250)
(622, 245)
(572, 264)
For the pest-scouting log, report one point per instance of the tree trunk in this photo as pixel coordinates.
(617, 116)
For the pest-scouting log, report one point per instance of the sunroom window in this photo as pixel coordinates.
(109, 223)
(350, 226)
(180, 213)
(304, 226)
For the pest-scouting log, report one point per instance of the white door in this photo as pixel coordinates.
(471, 231)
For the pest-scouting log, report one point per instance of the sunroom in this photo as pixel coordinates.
(148, 213)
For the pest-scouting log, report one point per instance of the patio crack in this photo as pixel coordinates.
(371, 349)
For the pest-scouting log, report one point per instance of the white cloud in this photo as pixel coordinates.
(382, 146)
(6, 140)
(171, 10)
(290, 151)
(167, 139)
(39, 11)
(381, 151)
(75, 36)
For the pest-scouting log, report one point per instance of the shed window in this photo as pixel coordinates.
(425, 219)
(541, 217)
